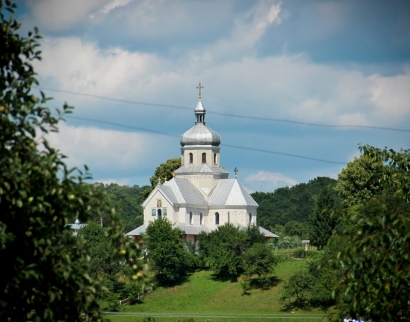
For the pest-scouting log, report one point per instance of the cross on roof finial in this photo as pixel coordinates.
(236, 172)
(200, 87)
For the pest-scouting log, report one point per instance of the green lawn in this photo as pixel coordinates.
(204, 298)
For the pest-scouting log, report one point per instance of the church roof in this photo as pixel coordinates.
(204, 168)
(196, 230)
(200, 134)
(182, 191)
(230, 192)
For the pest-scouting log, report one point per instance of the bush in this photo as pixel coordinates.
(289, 242)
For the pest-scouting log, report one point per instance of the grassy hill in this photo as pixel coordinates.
(205, 298)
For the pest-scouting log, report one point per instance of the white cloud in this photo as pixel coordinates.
(102, 149)
(391, 95)
(55, 15)
(268, 181)
(114, 4)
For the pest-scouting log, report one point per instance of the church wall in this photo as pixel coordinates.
(197, 156)
(159, 205)
(232, 215)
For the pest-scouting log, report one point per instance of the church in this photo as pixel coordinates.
(200, 196)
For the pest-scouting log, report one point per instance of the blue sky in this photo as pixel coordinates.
(323, 62)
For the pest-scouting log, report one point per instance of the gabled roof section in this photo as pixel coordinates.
(204, 168)
(153, 192)
(191, 229)
(137, 231)
(182, 191)
(230, 192)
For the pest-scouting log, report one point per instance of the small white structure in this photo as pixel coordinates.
(200, 197)
(76, 226)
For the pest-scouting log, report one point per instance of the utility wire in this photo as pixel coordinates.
(225, 114)
(225, 145)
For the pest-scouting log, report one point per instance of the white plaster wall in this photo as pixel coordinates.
(152, 203)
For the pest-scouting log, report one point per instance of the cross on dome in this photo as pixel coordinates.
(199, 88)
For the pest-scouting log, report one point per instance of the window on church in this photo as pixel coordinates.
(191, 218)
(201, 219)
(159, 212)
(250, 219)
(204, 157)
(217, 218)
(214, 158)
(191, 158)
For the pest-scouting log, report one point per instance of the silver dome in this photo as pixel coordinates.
(200, 134)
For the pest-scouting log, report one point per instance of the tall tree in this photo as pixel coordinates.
(46, 274)
(376, 255)
(359, 181)
(168, 256)
(165, 171)
(322, 221)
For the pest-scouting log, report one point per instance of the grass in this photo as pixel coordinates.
(205, 298)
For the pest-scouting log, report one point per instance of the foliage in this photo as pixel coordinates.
(294, 228)
(376, 255)
(46, 274)
(377, 281)
(165, 171)
(227, 244)
(289, 242)
(287, 204)
(300, 288)
(359, 181)
(323, 223)
(168, 256)
(259, 260)
(127, 204)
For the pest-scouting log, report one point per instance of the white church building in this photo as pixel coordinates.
(200, 196)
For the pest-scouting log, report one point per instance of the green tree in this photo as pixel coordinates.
(298, 290)
(359, 181)
(259, 260)
(46, 275)
(168, 256)
(227, 244)
(376, 255)
(323, 223)
(165, 171)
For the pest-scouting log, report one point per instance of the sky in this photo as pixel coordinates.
(272, 72)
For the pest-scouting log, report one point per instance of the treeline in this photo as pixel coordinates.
(288, 211)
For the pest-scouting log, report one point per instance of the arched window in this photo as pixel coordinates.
(191, 158)
(204, 157)
(214, 158)
(250, 219)
(159, 213)
(201, 219)
(217, 218)
(191, 218)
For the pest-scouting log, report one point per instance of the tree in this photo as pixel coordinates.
(299, 288)
(376, 255)
(168, 256)
(46, 275)
(165, 171)
(259, 260)
(227, 244)
(359, 181)
(323, 223)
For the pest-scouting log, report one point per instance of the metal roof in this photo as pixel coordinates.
(182, 191)
(191, 229)
(200, 134)
(137, 231)
(196, 230)
(75, 226)
(230, 192)
(204, 168)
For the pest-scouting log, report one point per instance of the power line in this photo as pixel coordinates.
(226, 114)
(225, 145)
